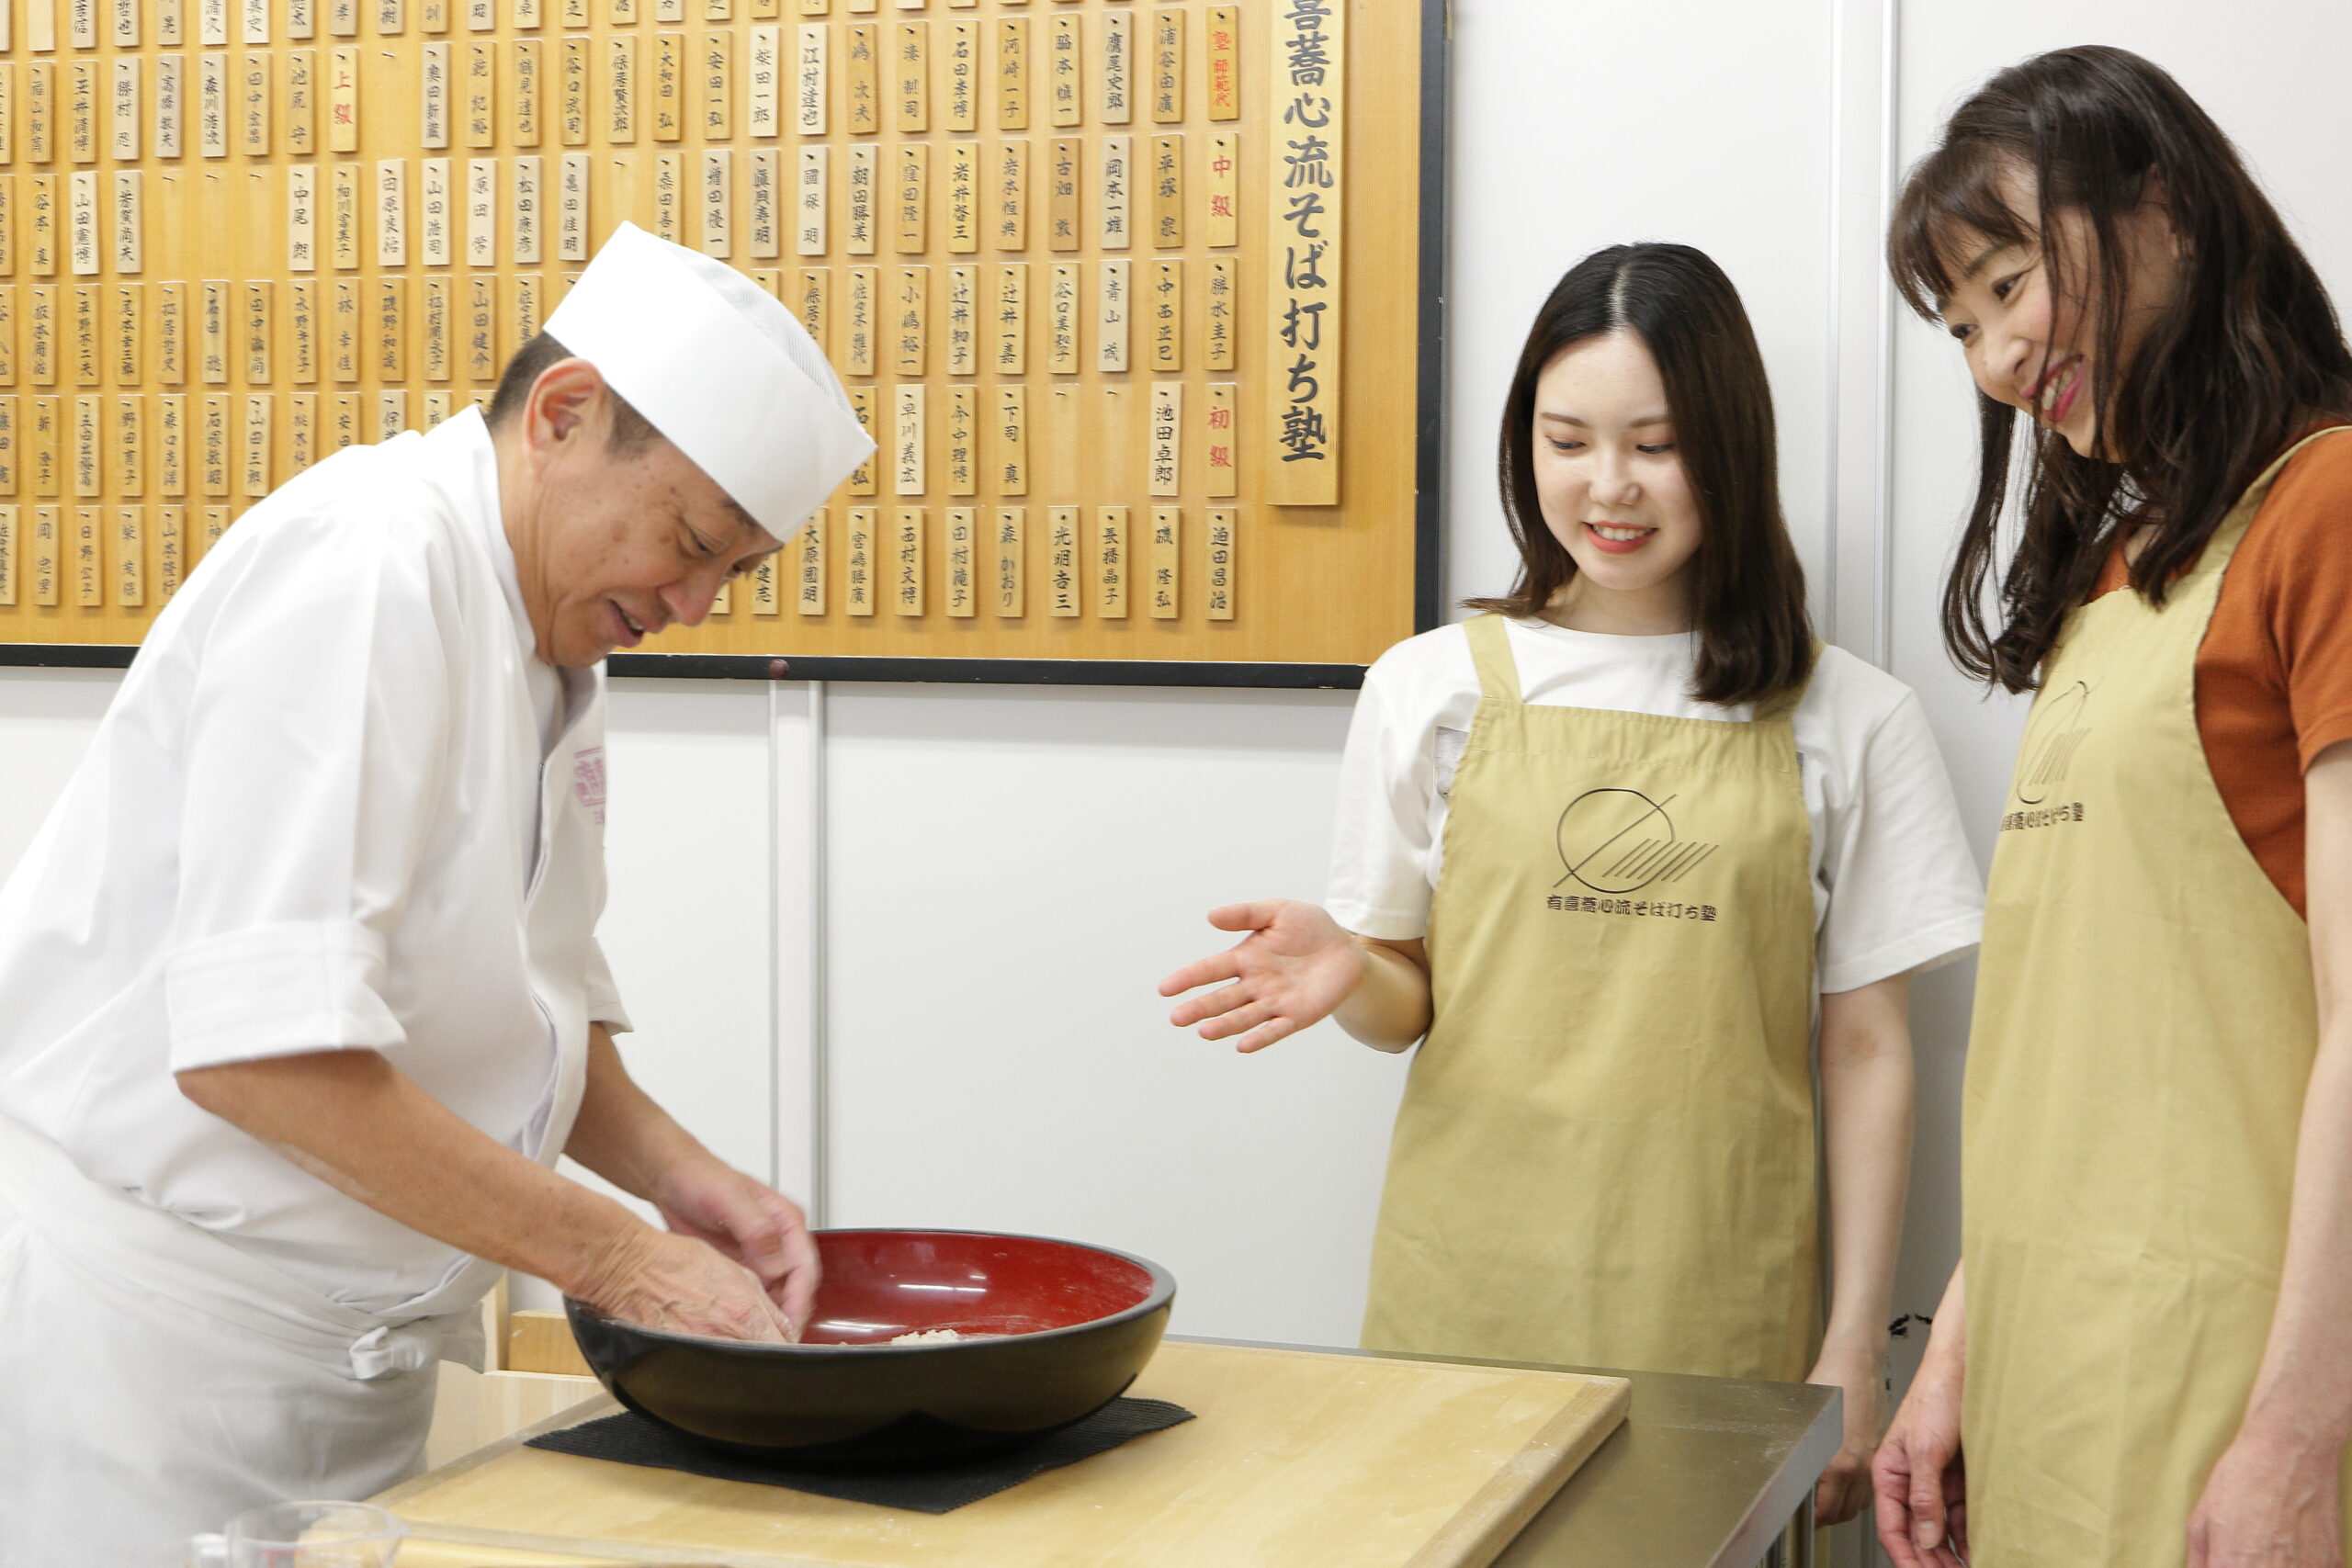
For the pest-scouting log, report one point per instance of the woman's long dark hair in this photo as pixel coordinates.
(2248, 355)
(1755, 637)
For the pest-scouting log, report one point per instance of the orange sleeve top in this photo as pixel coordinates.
(2274, 673)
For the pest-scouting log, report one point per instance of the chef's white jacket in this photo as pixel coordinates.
(319, 814)
(308, 821)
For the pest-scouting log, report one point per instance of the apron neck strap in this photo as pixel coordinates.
(1490, 652)
(2224, 542)
(2280, 461)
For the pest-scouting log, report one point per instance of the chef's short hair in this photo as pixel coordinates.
(631, 430)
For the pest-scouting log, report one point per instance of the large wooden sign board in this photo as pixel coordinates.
(1139, 300)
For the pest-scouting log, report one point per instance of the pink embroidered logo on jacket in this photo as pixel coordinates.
(588, 780)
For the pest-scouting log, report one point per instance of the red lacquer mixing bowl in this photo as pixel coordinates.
(1055, 1331)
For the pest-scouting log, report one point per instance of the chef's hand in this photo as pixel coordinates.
(1845, 1487)
(2272, 1502)
(661, 1280)
(1295, 966)
(1919, 1476)
(751, 1222)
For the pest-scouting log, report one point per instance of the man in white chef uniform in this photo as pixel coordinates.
(299, 990)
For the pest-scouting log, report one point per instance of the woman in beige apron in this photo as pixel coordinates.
(2148, 1364)
(1621, 1043)
(1606, 1152)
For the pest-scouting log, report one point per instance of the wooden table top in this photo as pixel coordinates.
(1704, 1473)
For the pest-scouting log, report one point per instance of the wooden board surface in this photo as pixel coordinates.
(1342, 1461)
(236, 237)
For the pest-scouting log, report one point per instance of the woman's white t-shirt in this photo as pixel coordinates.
(1895, 888)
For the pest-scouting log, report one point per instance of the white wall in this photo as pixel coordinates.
(46, 717)
(688, 922)
(1579, 125)
(1011, 875)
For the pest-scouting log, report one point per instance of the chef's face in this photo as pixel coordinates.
(613, 544)
(2029, 329)
(1608, 472)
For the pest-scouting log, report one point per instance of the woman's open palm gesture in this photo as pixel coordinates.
(1296, 967)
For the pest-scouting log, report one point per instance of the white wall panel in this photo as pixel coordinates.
(686, 922)
(47, 717)
(1011, 875)
(1579, 125)
(796, 773)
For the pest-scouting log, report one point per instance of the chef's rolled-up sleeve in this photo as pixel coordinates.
(274, 989)
(316, 730)
(605, 997)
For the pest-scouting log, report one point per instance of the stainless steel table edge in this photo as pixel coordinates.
(1642, 1500)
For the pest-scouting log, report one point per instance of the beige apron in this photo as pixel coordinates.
(2145, 1027)
(1605, 1153)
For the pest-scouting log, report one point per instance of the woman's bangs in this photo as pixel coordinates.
(1957, 201)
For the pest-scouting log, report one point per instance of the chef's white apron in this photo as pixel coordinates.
(170, 1379)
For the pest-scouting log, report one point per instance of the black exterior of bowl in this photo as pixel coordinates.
(877, 1407)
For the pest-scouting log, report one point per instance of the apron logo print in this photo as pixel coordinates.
(1620, 840)
(2052, 737)
(588, 781)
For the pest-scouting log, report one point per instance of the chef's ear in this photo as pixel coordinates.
(563, 403)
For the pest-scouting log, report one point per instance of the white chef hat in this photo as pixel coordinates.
(721, 368)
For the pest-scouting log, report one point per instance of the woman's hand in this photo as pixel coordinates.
(759, 1228)
(1845, 1487)
(1291, 970)
(1919, 1477)
(2270, 1504)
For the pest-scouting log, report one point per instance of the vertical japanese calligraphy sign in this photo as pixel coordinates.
(1305, 183)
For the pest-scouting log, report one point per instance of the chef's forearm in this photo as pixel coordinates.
(1389, 1008)
(1866, 1090)
(621, 1133)
(356, 1122)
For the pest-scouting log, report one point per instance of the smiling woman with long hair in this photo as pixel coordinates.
(2144, 1355)
(1608, 847)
